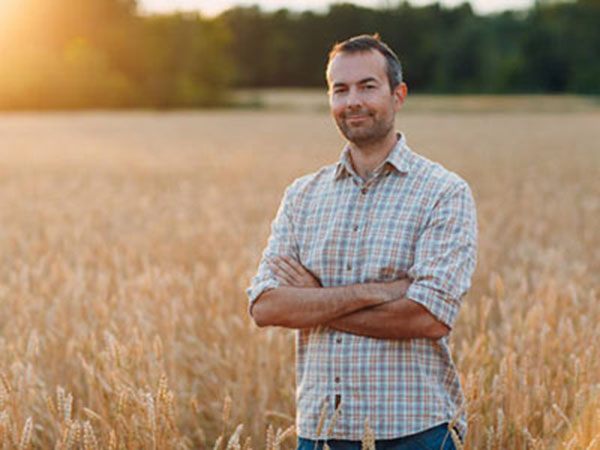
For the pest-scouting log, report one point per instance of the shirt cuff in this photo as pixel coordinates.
(256, 289)
(443, 307)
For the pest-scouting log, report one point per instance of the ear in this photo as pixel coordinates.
(400, 95)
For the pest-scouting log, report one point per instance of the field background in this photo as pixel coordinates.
(127, 240)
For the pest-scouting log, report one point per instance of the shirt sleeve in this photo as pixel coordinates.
(281, 242)
(446, 255)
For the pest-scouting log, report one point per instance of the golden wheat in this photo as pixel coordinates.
(127, 241)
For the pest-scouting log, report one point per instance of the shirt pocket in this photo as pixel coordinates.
(389, 243)
(326, 244)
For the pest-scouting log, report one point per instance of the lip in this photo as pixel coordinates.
(357, 118)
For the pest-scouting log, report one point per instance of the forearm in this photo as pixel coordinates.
(398, 319)
(303, 307)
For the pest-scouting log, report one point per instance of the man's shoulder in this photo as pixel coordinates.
(435, 176)
(311, 182)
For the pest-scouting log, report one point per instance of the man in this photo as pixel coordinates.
(369, 259)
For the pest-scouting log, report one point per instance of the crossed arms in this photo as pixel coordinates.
(424, 305)
(378, 310)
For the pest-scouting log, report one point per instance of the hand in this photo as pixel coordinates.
(291, 273)
(395, 290)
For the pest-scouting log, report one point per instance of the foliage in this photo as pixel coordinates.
(103, 53)
(553, 47)
(60, 54)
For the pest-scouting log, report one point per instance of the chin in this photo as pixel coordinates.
(363, 138)
(356, 134)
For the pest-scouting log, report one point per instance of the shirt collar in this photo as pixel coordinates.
(399, 159)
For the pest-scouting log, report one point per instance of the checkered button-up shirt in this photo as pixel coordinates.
(412, 218)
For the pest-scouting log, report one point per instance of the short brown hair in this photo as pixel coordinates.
(365, 43)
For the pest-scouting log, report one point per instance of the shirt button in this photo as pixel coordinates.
(348, 266)
(337, 379)
(338, 340)
(363, 191)
(355, 228)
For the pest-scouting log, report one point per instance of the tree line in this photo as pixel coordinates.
(103, 53)
(552, 47)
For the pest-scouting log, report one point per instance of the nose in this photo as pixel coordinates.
(353, 99)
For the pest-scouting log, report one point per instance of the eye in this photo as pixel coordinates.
(368, 87)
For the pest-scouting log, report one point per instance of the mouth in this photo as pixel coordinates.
(357, 118)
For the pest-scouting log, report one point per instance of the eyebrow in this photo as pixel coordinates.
(368, 80)
(363, 81)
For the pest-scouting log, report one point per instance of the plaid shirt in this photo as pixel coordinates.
(412, 218)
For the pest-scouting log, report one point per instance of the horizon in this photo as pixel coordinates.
(213, 8)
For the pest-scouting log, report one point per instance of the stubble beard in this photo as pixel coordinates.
(365, 134)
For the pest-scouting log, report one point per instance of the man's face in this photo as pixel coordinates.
(360, 98)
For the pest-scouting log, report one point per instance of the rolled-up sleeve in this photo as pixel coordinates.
(446, 255)
(281, 242)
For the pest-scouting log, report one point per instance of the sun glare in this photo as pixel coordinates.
(8, 8)
(9, 12)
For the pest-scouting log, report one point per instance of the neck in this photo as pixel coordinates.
(366, 157)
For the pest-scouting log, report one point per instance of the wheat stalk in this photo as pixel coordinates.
(119, 240)
(368, 441)
(25, 442)
(89, 438)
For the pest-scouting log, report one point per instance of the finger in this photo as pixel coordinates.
(302, 271)
(281, 275)
(294, 265)
(285, 267)
(283, 280)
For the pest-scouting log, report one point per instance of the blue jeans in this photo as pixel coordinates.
(436, 438)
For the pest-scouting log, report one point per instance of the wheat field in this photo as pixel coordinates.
(127, 241)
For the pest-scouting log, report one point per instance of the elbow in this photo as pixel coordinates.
(258, 315)
(260, 311)
(261, 322)
(430, 327)
(437, 330)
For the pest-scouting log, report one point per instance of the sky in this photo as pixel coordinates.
(213, 7)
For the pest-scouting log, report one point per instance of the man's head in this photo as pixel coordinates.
(365, 43)
(365, 90)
